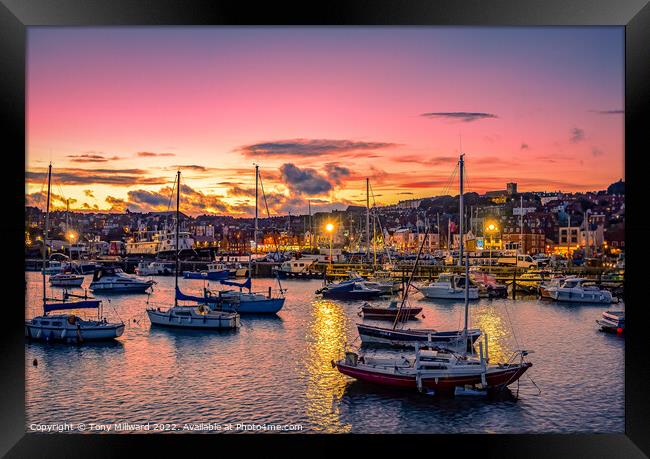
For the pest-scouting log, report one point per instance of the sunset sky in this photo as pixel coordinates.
(118, 110)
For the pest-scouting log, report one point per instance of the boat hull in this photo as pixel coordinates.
(441, 384)
(389, 313)
(70, 333)
(408, 338)
(352, 295)
(448, 294)
(119, 288)
(267, 306)
(587, 297)
(66, 283)
(163, 319)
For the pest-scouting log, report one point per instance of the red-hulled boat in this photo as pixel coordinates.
(438, 370)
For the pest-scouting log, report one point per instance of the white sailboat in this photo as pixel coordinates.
(198, 316)
(68, 327)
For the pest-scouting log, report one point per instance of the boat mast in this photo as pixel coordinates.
(438, 226)
(47, 224)
(367, 217)
(311, 228)
(178, 222)
(465, 335)
(257, 174)
(461, 216)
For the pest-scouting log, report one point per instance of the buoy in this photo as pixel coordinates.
(35, 363)
(619, 330)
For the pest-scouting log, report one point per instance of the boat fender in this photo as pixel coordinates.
(63, 333)
(38, 334)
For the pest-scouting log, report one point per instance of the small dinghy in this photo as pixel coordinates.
(390, 312)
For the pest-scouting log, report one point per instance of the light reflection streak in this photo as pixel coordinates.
(325, 385)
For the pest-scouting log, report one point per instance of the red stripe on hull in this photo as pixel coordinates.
(507, 376)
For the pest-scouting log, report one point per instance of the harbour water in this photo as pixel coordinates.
(277, 370)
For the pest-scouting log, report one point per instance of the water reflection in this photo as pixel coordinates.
(325, 385)
(492, 324)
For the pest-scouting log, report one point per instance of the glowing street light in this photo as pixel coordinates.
(491, 228)
(330, 229)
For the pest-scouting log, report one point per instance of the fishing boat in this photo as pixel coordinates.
(154, 268)
(66, 280)
(448, 286)
(578, 290)
(349, 290)
(612, 322)
(216, 271)
(68, 328)
(198, 316)
(114, 280)
(390, 312)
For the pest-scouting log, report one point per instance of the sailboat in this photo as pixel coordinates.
(68, 327)
(194, 316)
(437, 370)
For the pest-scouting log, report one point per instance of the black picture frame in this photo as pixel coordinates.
(17, 15)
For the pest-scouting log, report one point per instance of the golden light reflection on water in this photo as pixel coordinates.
(325, 387)
(496, 328)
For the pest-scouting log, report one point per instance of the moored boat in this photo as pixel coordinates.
(391, 312)
(448, 286)
(349, 290)
(408, 337)
(66, 280)
(114, 280)
(612, 322)
(434, 370)
(578, 290)
(303, 267)
(155, 268)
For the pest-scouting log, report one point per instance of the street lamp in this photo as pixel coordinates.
(71, 237)
(490, 229)
(330, 228)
